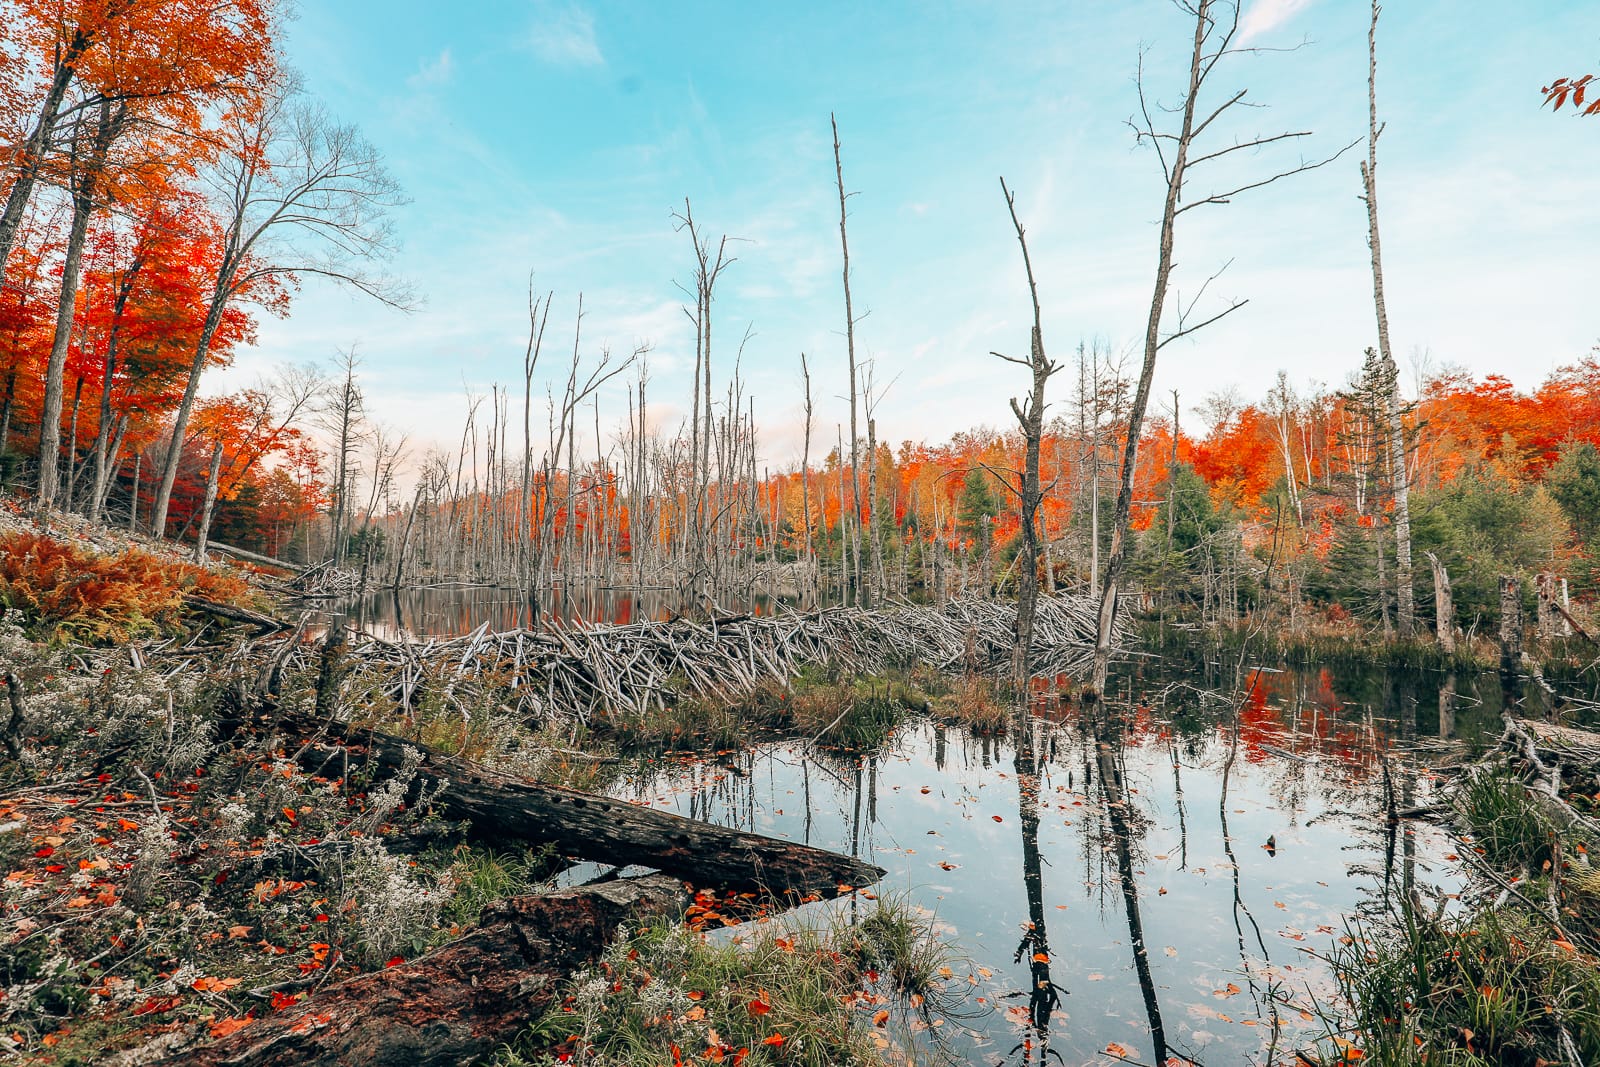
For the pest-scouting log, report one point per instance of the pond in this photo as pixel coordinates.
(1167, 875)
(1161, 882)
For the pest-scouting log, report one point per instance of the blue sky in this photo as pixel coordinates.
(558, 138)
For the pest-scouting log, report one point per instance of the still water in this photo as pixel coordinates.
(1159, 884)
(1153, 832)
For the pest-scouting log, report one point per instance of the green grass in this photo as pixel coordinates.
(1505, 823)
(479, 877)
(1492, 988)
(1497, 984)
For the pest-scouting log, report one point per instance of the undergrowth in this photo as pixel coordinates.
(166, 873)
(1511, 979)
(67, 591)
(845, 993)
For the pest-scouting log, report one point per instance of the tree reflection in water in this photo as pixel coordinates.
(1044, 995)
(1107, 724)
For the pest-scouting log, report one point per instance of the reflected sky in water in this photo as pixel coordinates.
(991, 839)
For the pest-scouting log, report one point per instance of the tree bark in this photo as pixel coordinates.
(1444, 608)
(1510, 626)
(180, 421)
(212, 475)
(1545, 586)
(454, 1005)
(33, 150)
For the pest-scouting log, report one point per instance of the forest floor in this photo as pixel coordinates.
(180, 879)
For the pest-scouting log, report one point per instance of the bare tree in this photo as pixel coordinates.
(1030, 417)
(850, 353)
(1180, 151)
(708, 268)
(805, 478)
(1405, 610)
(342, 414)
(298, 194)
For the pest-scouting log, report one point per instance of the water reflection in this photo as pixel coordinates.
(1137, 923)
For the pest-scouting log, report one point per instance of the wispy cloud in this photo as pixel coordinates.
(1264, 16)
(433, 72)
(564, 37)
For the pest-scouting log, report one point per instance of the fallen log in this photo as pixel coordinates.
(267, 623)
(252, 557)
(452, 1006)
(500, 808)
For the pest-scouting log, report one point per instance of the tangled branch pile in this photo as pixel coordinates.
(564, 675)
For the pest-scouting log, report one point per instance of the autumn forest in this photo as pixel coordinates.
(332, 738)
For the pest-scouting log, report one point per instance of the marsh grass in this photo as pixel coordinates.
(1505, 823)
(840, 993)
(477, 877)
(1490, 988)
(1499, 983)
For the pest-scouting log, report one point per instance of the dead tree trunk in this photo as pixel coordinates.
(1545, 586)
(454, 1005)
(1216, 27)
(1444, 608)
(1031, 420)
(1510, 625)
(1389, 416)
(850, 354)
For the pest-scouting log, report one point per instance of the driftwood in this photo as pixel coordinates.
(324, 581)
(1542, 749)
(500, 808)
(451, 1006)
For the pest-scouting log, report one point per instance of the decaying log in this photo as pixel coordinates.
(500, 808)
(267, 623)
(451, 1006)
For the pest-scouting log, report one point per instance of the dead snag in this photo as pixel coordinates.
(451, 1006)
